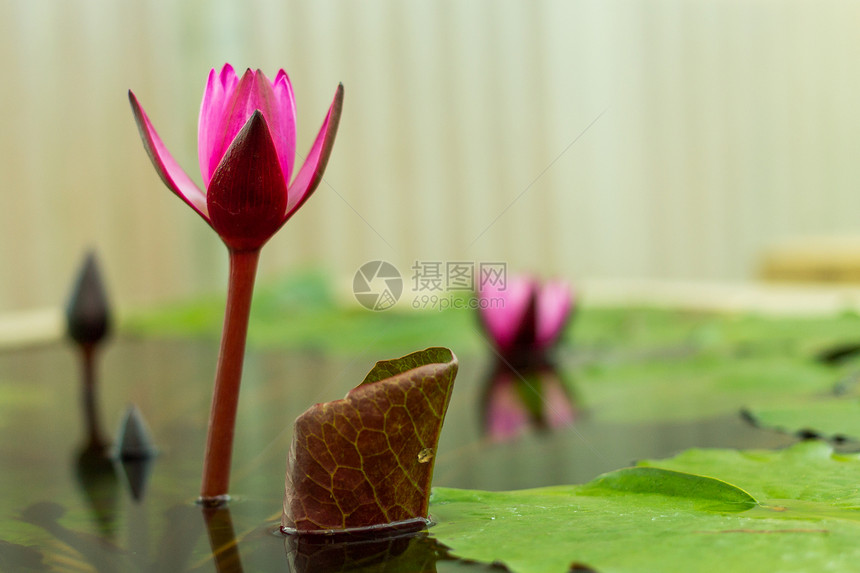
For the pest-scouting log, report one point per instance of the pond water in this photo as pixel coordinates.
(65, 509)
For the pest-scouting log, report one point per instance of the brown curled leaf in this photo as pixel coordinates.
(365, 463)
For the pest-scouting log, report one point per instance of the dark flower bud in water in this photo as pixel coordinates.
(88, 317)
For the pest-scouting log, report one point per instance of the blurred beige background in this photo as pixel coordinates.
(670, 139)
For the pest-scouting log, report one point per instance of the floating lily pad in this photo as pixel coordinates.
(832, 413)
(694, 388)
(791, 510)
(836, 418)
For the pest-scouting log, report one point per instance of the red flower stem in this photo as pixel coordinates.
(222, 416)
(95, 437)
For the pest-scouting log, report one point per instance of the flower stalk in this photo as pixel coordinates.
(228, 377)
(246, 150)
(89, 399)
(88, 324)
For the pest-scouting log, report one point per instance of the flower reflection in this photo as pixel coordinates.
(518, 401)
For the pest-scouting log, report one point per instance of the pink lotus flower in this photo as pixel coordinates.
(246, 145)
(526, 317)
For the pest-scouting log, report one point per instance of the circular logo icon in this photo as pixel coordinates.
(377, 285)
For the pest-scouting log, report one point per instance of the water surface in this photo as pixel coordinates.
(65, 508)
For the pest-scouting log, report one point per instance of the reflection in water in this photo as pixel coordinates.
(15, 557)
(172, 552)
(222, 539)
(532, 397)
(136, 475)
(96, 550)
(97, 478)
(414, 552)
(181, 534)
(89, 401)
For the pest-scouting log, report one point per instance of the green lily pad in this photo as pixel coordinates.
(791, 510)
(833, 414)
(831, 418)
(710, 493)
(694, 388)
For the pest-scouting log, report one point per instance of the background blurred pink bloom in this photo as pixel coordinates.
(246, 148)
(525, 316)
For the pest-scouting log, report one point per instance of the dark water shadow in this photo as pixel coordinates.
(409, 552)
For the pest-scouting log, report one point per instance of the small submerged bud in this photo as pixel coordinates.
(134, 441)
(135, 451)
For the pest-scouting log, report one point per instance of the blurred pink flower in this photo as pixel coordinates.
(246, 146)
(525, 316)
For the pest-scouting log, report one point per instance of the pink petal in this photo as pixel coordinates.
(223, 124)
(171, 173)
(312, 169)
(253, 92)
(286, 103)
(247, 196)
(219, 89)
(554, 303)
(503, 311)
